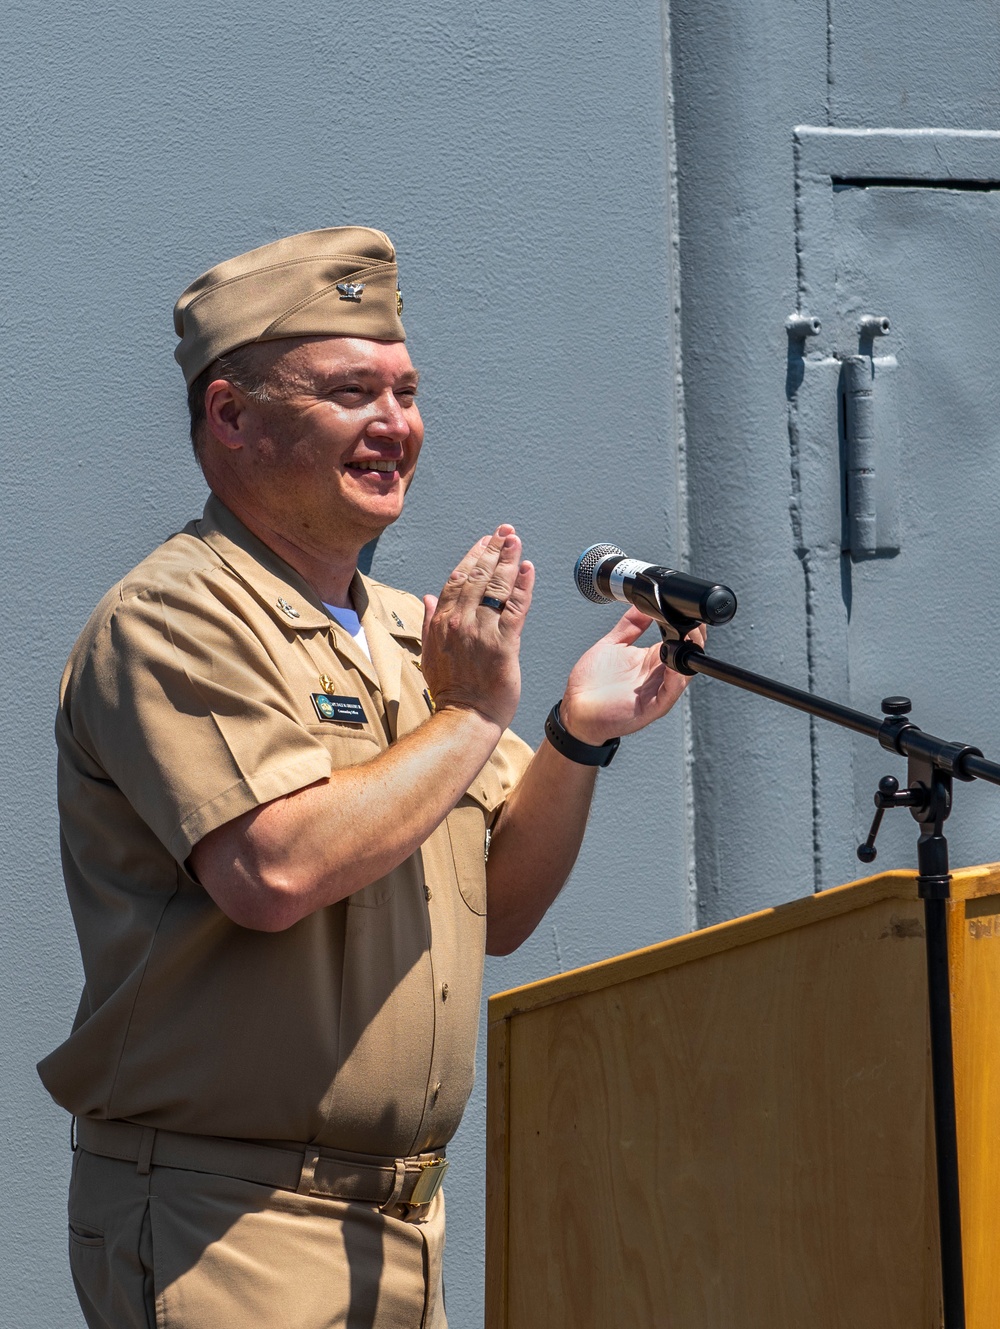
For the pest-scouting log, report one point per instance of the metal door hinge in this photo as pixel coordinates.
(870, 446)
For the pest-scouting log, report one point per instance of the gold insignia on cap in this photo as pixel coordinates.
(351, 290)
(288, 609)
(399, 301)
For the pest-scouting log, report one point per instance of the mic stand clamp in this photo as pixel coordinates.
(673, 631)
(889, 794)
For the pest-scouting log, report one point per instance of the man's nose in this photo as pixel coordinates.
(390, 419)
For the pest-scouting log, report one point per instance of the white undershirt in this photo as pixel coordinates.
(351, 623)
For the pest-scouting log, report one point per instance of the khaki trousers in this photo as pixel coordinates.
(173, 1249)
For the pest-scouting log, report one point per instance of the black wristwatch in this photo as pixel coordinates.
(587, 754)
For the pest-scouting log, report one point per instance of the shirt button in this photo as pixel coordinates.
(444, 991)
(427, 892)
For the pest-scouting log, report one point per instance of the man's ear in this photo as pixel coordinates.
(225, 407)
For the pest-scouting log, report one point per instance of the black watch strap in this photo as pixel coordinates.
(587, 754)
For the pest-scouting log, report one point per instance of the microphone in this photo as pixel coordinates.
(603, 574)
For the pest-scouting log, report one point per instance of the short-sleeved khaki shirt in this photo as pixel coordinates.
(188, 700)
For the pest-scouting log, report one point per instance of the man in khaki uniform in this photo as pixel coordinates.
(279, 785)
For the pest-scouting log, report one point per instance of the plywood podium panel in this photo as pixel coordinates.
(974, 961)
(734, 1128)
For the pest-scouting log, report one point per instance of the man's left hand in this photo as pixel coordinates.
(617, 687)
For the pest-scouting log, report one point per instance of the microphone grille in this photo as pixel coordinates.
(586, 567)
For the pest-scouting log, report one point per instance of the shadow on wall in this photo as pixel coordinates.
(366, 556)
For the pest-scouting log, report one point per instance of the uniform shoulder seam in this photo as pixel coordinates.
(395, 590)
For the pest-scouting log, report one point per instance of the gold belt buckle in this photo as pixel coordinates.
(429, 1182)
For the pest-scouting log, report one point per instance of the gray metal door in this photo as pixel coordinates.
(898, 248)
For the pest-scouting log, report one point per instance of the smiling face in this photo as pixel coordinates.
(325, 457)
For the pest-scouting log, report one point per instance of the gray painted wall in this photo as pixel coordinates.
(517, 157)
(781, 804)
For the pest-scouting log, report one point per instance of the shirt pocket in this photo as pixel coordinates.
(468, 824)
(348, 745)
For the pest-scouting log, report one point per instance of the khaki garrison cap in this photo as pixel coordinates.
(338, 282)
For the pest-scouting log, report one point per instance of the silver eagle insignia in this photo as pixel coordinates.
(352, 291)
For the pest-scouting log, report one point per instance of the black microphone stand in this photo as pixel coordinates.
(932, 765)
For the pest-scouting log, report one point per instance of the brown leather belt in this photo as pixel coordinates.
(412, 1182)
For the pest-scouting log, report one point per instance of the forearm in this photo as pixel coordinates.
(534, 846)
(280, 862)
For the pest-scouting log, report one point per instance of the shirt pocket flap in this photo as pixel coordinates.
(468, 827)
(487, 789)
(347, 744)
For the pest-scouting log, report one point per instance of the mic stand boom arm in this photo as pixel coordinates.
(932, 765)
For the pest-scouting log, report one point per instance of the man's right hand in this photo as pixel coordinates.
(470, 656)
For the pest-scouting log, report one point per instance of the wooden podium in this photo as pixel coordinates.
(733, 1129)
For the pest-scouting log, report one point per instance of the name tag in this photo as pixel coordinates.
(329, 707)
